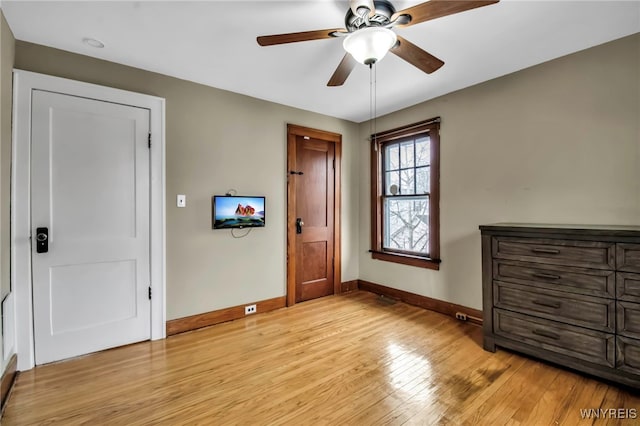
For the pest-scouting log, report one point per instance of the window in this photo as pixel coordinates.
(405, 195)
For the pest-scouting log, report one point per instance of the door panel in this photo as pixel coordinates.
(315, 206)
(101, 304)
(93, 159)
(313, 160)
(313, 256)
(90, 188)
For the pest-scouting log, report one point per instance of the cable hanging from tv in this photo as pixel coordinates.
(233, 234)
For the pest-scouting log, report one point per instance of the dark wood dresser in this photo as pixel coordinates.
(568, 294)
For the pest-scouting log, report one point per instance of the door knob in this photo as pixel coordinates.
(299, 224)
(42, 240)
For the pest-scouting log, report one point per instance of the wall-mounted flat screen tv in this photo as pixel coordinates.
(231, 211)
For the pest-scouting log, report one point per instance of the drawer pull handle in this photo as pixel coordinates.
(547, 276)
(545, 333)
(555, 305)
(545, 251)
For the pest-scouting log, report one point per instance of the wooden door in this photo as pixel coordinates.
(313, 210)
(90, 215)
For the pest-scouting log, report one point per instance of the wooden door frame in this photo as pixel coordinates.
(24, 82)
(292, 132)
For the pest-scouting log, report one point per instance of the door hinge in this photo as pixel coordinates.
(149, 140)
(334, 164)
(149, 292)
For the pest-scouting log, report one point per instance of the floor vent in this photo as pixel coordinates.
(386, 300)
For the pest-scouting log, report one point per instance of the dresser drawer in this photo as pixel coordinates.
(628, 319)
(580, 343)
(628, 286)
(585, 311)
(594, 282)
(586, 254)
(628, 257)
(628, 355)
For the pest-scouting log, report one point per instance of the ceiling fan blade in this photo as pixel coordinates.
(342, 72)
(270, 40)
(438, 8)
(416, 56)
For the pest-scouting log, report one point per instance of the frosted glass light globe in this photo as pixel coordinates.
(369, 45)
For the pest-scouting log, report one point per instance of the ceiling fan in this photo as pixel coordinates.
(368, 34)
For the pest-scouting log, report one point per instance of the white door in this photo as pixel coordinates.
(90, 190)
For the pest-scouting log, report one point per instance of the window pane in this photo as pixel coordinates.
(423, 154)
(406, 154)
(406, 225)
(392, 157)
(422, 180)
(407, 182)
(392, 178)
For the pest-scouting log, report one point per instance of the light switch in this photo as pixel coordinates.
(182, 200)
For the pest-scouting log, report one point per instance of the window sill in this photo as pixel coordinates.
(405, 259)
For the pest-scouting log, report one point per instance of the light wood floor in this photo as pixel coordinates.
(351, 359)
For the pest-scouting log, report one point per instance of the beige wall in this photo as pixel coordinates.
(558, 142)
(7, 45)
(216, 141)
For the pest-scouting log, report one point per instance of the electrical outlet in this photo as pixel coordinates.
(250, 309)
(461, 316)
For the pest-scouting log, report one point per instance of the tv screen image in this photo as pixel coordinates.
(231, 211)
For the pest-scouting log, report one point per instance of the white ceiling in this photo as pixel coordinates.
(214, 43)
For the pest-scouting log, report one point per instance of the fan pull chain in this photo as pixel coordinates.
(371, 132)
(373, 99)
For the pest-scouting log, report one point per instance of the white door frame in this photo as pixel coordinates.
(24, 82)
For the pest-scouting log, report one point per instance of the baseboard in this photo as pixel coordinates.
(348, 286)
(194, 322)
(7, 381)
(206, 319)
(474, 316)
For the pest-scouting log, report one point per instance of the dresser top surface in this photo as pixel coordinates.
(621, 230)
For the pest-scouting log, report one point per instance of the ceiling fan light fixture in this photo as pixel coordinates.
(369, 45)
